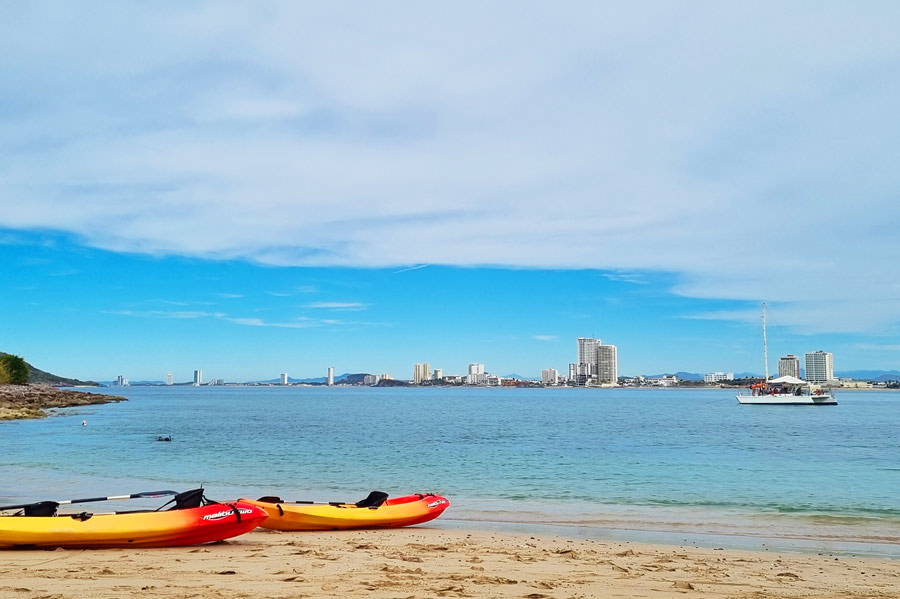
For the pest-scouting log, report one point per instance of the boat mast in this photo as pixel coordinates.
(765, 346)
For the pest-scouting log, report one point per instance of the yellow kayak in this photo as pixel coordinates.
(187, 526)
(376, 511)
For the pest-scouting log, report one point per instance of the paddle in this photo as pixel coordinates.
(144, 495)
(374, 500)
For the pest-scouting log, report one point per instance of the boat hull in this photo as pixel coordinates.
(787, 400)
(393, 513)
(192, 526)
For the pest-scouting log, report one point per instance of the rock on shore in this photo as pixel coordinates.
(30, 401)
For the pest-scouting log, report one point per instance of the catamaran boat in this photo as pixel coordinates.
(785, 390)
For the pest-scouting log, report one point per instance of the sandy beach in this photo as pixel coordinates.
(431, 562)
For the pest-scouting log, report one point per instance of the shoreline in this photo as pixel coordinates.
(423, 562)
(23, 402)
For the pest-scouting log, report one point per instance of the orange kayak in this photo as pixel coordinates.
(376, 511)
(188, 526)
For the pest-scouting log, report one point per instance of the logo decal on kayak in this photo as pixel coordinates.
(225, 514)
(437, 503)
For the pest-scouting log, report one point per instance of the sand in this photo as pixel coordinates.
(422, 562)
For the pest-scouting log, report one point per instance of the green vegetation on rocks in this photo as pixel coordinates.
(13, 370)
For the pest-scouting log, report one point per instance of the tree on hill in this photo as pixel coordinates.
(13, 370)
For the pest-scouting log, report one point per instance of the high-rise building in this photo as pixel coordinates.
(421, 372)
(438, 374)
(819, 366)
(476, 375)
(169, 380)
(789, 365)
(595, 363)
(330, 376)
(198, 378)
(550, 376)
(284, 378)
(607, 364)
(121, 381)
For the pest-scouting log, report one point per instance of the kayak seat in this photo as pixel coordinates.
(270, 499)
(374, 500)
(189, 499)
(41, 508)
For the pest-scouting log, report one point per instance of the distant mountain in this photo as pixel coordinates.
(870, 375)
(519, 377)
(36, 375)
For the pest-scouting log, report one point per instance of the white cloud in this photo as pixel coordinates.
(750, 150)
(546, 337)
(341, 306)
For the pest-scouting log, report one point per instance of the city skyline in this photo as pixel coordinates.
(253, 197)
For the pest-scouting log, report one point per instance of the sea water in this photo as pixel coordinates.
(595, 462)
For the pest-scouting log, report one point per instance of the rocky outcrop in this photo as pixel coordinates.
(30, 401)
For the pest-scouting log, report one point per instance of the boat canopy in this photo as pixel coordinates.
(787, 380)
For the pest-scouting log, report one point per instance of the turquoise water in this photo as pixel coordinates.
(612, 459)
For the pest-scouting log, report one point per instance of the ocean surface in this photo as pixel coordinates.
(667, 465)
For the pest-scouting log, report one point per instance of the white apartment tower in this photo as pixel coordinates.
(198, 378)
(819, 366)
(476, 375)
(789, 365)
(549, 376)
(330, 379)
(595, 363)
(284, 378)
(169, 379)
(421, 372)
(607, 364)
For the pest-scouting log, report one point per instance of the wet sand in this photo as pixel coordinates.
(423, 562)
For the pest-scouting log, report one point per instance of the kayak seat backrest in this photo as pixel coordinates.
(375, 499)
(189, 499)
(270, 499)
(41, 508)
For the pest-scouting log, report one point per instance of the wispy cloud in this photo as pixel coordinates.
(340, 306)
(546, 337)
(411, 268)
(635, 278)
(259, 322)
(176, 314)
(669, 137)
(230, 295)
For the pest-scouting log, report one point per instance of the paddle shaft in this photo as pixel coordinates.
(144, 495)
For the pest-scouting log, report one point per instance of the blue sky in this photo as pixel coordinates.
(276, 187)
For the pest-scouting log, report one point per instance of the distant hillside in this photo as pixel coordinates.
(36, 375)
(870, 375)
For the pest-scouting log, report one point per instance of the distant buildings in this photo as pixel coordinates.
(284, 378)
(819, 366)
(549, 376)
(169, 380)
(330, 379)
(476, 375)
(595, 363)
(716, 377)
(421, 373)
(121, 381)
(789, 365)
(198, 378)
